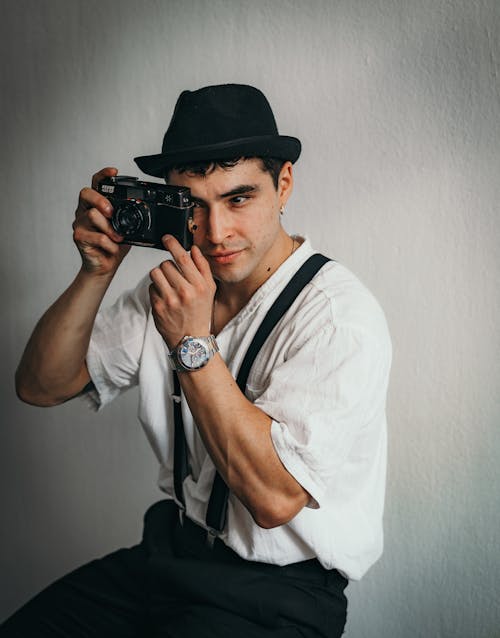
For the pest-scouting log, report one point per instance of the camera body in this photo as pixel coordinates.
(145, 211)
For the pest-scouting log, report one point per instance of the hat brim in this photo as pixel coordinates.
(278, 146)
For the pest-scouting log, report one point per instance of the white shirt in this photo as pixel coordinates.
(321, 376)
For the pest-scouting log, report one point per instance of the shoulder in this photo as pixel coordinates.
(128, 311)
(141, 292)
(135, 299)
(351, 302)
(336, 301)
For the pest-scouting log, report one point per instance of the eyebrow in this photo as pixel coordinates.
(240, 190)
(243, 189)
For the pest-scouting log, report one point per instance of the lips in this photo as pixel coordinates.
(225, 257)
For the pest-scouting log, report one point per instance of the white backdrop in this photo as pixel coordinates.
(397, 106)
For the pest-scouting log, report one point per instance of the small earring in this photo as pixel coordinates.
(282, 209)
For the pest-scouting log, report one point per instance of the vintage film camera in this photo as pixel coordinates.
(145, 211)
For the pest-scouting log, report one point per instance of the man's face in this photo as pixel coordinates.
(236, 213)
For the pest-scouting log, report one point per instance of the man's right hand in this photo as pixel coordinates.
(99, 245)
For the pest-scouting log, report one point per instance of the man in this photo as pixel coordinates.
(301, 448)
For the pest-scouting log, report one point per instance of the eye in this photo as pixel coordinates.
(238, 200)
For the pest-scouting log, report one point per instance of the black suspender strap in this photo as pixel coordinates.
(181, 469)
(283, 302)
(217, 505)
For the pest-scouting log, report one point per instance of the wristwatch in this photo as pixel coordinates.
(192, 353)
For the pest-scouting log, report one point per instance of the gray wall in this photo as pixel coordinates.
(397, 106)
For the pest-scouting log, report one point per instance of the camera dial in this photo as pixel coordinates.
(131, 218)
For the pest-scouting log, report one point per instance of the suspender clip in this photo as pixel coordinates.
(181, 515)
(211, 537)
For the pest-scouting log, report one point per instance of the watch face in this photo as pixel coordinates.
(193, 353)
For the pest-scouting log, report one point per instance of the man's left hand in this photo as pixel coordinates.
(182, 293)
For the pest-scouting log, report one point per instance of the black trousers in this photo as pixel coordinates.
(174, 586)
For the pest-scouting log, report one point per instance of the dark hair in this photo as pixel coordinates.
(270, 165)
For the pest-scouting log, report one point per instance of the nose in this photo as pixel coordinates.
(217, 224)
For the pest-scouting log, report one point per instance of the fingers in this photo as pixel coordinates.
(102, 224)
(192, 265)
(166, 277)
(109, 171)
(94, 212)
(88, 241)
(89, 198)
(181, 294)
(160, 280)
(201, 262)
(93, 219)
(183, 259)
(179, 307)
(100, 247)
(172, 283)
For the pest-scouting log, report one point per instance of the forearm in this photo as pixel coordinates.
(52, 368)
(236, 433)
(237, 436)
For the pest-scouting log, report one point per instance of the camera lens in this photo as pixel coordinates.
(131, 218)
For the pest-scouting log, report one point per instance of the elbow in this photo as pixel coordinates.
(33, 399)
(278, 512)
(28, 394)
(22, 389)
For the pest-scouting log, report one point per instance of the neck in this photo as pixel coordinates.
(232, 297)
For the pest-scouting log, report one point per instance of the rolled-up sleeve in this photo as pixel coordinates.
(322, 399)
(116, 344)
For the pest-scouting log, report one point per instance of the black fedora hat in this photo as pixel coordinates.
(220, 122)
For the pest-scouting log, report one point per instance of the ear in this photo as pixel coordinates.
(285, 183)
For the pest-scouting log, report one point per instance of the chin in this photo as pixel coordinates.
(228, 278)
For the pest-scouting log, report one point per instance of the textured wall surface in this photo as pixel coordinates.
(397, 104)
